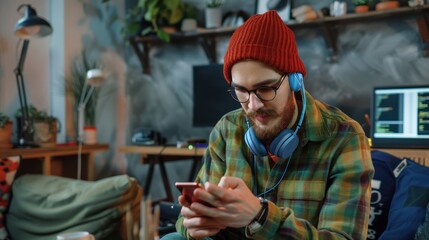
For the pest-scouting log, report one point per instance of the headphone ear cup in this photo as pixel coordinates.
(256, 147)
(284, 144)
(295, 81)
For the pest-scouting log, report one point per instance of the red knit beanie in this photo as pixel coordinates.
(265, 38)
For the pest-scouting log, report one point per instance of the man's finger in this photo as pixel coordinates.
(230, 182)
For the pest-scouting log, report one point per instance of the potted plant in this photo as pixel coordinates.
(6, 131)
(75, 85)
(213, 13)
(214, 3)
(45, 126)
(361, 6)
(386, 5)
(189, 21)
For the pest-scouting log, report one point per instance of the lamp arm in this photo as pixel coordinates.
(27, 127)
(83, 94)
(21, 61)
(88, 96)
(81, 112)
(80, 122)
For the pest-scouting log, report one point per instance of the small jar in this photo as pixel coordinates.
(90, 133)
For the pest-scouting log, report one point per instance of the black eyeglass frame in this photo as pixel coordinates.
(231, 90)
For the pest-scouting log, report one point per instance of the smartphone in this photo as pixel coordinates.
(187, 190)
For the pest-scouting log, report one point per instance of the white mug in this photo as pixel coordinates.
(76, 236)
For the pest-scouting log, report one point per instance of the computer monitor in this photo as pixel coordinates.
(210, 97)
(400, 117)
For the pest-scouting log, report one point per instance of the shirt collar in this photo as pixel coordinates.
(315, 126)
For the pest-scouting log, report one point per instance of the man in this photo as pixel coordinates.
(285, 166)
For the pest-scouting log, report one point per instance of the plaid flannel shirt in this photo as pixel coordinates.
(325, 193)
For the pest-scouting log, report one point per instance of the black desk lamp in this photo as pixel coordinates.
(30, 26)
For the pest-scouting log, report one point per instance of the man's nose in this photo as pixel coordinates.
(254, 102)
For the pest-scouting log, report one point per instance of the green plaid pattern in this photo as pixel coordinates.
(325, 193)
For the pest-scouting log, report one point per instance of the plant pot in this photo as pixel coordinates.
(6, 133)
(90, 135)
(45, 133)
(415, 3)
(361, 8)
(213, 17)
(381, 6)
(188, 24)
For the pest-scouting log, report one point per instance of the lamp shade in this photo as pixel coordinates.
(94, 77)
(31, 25)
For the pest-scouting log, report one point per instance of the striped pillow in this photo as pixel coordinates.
(8, 169)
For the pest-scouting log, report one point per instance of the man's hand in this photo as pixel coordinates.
(234, 205)
(198, 226)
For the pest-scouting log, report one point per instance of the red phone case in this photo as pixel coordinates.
(187, 190)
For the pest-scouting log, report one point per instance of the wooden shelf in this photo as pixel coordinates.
(328, 25)
(56, 160)
(206, 37)
(420, 156)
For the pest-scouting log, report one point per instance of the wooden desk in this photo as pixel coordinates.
(159, 155)
(53, 158)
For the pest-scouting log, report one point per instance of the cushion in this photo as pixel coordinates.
(383, 187)
(8, 169)
(408, 207)
(423, 230)
(44, 206)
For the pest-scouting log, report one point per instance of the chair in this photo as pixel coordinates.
(44, 206)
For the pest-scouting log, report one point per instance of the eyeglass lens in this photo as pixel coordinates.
(264, 93)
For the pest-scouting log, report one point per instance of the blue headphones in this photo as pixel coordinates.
(287, 141)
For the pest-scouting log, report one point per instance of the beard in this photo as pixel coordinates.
(267, 134)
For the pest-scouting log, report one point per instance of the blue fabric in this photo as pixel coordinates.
(173, 236)
(423, 231)
(177, 236)
(408, 206)
(383, 188)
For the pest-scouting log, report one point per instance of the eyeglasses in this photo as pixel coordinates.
(264, 93)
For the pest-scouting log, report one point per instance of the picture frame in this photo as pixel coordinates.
(283, 7)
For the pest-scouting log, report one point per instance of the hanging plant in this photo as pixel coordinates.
(150, 16)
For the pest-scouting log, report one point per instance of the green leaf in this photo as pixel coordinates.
(360, 2)
(4, 119)
(163, 35)
(141, 3)
(176, 16)
(151, 13)
(133, 28)
(172, 4)
(146, 31)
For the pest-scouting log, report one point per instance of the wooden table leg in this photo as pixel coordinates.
(149, 175)
(90, 166)
(47, 165)
(165, 180)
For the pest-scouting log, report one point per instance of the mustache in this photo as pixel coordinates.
(265, 112)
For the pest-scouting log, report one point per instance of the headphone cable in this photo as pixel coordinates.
(278, 182)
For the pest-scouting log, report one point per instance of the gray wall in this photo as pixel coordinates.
(371, 54)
